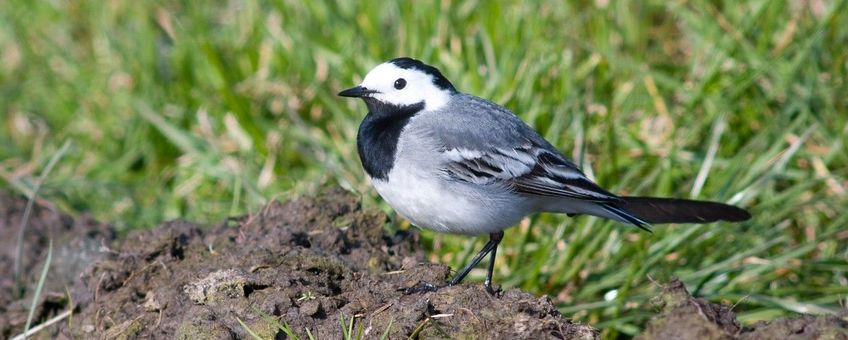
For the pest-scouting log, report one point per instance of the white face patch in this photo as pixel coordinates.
(419, 87)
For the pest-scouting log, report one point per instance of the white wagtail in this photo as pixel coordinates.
(455, 163)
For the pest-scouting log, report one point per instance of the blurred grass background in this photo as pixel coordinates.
(202, 110)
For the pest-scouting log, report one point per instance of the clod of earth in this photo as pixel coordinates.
(307, 263)
(217, 286)
(685, 317)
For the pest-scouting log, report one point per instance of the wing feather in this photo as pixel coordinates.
(527, 170)
(486, 144)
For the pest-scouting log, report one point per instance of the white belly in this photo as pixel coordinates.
(447, 206)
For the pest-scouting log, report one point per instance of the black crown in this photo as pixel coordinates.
(438, 79)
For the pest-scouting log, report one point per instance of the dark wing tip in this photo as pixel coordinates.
(628, 216)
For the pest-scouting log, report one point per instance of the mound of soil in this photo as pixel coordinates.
(312, 264)
(321, 266)
(685, 317)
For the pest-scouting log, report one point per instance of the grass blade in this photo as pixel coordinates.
(39, 287)
(25, 219)
(248, 330)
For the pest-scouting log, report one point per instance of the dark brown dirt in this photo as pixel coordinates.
(77, 243)
(685, 317)
(308, 263)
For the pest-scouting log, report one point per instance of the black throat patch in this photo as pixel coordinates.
(379, 133)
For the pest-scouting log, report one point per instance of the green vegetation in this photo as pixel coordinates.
(204, 110)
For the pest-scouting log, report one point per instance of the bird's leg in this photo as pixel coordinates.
(496, 237)
(490, 247)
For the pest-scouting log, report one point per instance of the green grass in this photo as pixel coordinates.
(208, 110)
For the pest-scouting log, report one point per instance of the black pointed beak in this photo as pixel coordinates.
(356, 92)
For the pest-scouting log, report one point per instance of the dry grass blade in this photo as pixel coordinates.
(25, 219)
(41, 280)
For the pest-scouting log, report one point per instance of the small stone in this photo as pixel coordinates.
(310, 308)
(124, 331)
(151, 304)
(219, 285)
(408, 262)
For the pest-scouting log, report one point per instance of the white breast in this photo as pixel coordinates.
(419, 193)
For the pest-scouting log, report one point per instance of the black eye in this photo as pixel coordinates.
(400, 83)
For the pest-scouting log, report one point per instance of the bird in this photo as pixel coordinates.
(455, 163)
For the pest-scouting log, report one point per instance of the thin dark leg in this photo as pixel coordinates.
(490, 247)
(488, 282)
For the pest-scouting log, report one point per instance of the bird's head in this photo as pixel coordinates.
(403, 82)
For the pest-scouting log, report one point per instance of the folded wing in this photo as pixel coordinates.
(526, 170)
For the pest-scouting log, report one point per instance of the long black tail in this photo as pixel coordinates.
(675, 210)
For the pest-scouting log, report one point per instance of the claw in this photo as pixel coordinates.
(492, 291)
(420, 287)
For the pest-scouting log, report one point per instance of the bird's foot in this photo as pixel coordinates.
(421, 287)
(493, 291)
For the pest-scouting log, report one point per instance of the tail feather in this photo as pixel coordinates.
(675, 210)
